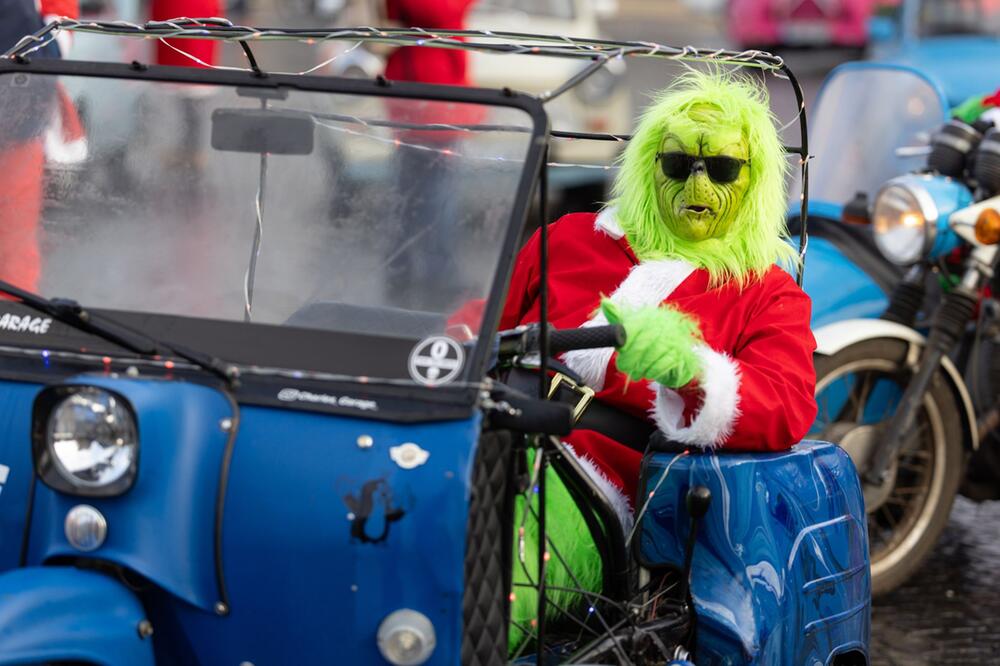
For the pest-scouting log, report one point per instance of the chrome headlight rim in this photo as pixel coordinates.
(50, 470)
(927, 208)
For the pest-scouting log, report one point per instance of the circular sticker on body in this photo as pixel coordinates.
(436, 360)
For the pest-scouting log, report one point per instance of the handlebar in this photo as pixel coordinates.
(589, 337)
(525, 340)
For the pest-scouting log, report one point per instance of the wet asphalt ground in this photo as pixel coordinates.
(950, 611)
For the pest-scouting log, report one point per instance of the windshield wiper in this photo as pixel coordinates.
(72, 313)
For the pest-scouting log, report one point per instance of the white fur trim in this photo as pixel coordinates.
(720, 381)
(621, 504)
(648, 283)
(607, 222)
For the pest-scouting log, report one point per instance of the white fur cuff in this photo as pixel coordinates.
(712, 425)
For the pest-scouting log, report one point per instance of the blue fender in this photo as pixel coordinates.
(65, 614)
(839, 288)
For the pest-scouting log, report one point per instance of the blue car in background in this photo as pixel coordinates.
(953, 42)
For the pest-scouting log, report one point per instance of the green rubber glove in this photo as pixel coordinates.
(660, 343)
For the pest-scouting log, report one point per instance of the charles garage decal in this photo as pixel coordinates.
(24, 324)
(296, 395)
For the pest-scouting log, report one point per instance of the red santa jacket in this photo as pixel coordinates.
(756, 390)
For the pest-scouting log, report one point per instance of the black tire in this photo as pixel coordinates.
(485, 606)
(939, 441)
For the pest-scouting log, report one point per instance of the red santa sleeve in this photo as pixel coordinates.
(760, 397)
(523, 291)
(524, 284)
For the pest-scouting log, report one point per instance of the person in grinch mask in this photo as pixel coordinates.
(686, 257)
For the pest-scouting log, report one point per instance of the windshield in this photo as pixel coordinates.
(869, 125)
(283, 207)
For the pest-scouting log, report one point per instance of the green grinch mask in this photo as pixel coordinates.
(702, 177)
(703, 180)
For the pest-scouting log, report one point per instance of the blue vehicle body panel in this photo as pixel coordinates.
(163, 527)
(780, 572)
(298, 478)
(15, 455)
(839, 288)
(320, 536)
(59, 613)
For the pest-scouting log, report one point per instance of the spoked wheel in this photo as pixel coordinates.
(857, 391)
(592, 617)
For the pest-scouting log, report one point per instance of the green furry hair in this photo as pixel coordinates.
(758, 237)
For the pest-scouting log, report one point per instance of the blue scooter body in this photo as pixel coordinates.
(780, 567)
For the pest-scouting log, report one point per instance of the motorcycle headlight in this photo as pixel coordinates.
(86, 441)
(910, 217)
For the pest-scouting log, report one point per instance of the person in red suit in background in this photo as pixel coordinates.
(22, 146)
(428, 265)
(189, 157)
(429, 65)
(207, 51)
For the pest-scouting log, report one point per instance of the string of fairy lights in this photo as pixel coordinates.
(225, 30)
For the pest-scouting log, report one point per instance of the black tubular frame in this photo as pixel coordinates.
(598, 51)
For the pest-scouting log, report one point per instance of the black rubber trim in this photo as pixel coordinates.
(488, 553)
(29, 511)
(220, 498)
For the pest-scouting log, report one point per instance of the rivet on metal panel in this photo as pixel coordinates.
(145, 629)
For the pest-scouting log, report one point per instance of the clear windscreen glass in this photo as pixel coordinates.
(869, 124)
(325, 211)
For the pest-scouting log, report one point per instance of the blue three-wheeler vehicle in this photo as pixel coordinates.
(238, 424)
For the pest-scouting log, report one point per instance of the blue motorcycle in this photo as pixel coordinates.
(240, 424)
(904, 313)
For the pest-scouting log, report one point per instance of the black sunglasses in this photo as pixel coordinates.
(721, 169)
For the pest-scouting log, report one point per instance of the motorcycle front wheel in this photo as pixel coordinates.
(857, 391)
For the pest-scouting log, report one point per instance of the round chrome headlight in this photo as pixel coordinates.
(911, 217)
(91, 443)
(903, 230)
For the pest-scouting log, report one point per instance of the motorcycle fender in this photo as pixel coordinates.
(62, 614)
(834, 337)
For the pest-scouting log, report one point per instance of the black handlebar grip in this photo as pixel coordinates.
(535, 416)
(589, 337)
